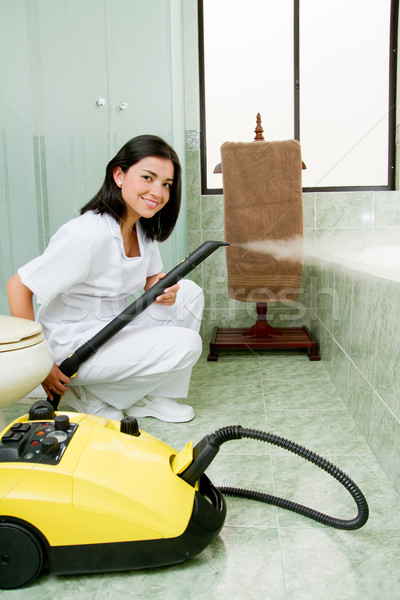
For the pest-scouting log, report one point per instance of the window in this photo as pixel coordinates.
(319, 72)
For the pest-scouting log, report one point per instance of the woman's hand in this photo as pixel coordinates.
(168, 298)
(20, 301)
(55, 382)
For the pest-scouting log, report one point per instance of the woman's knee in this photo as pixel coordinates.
(197, 344)
(191, 293)
(190, 305)
(187, 345)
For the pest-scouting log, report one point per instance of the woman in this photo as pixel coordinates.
(85, 276)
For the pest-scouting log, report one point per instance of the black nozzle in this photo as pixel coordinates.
(203, 454)
(198, 255)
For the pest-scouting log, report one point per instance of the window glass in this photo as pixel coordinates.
(248, 69)
(344, 87)
(249, 61)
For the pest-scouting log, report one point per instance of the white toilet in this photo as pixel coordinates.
(25, 360)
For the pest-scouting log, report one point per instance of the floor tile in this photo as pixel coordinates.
(312, 395)
(293, 369)
(249, 473)
(324, 432)
(223, 571)
(265, 552)
(300, 481)
(332, 564)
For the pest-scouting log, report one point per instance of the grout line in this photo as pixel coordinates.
(99, 589)
(273, 482)
(359, 371)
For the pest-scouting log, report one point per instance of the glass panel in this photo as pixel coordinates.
(140, 69)
(344, 78)
(248, 63)
(21, 222)
(145, 59)
(71, 74)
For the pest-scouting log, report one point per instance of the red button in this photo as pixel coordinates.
(34, 443)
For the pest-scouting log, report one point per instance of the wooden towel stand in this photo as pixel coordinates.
(261, 335)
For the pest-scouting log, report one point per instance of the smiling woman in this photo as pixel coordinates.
(145, 189)
(85, 276)
(110, 198)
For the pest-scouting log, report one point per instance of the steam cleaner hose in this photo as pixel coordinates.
(235, 432)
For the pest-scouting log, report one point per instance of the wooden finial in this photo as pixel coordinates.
(259, 130)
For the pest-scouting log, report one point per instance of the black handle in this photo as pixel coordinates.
(70, 365)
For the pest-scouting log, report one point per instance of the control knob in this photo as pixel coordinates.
(50, 445)
(130, 426)
(61, 423)
(41, 411)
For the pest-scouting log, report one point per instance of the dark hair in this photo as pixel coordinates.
(109, 198)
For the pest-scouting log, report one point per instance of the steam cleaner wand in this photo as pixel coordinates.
(70, 365)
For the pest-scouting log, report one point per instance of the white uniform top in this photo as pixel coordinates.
(83, 279)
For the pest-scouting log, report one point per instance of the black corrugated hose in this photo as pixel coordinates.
(236, 432)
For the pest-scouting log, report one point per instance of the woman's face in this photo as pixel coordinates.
(145, 186)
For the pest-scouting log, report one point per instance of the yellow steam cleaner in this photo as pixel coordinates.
(84, 494)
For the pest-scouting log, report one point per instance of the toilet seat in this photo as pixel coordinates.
(16, 333)
(25, 360)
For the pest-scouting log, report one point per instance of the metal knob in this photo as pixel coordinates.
(123, 106)
(100, 101)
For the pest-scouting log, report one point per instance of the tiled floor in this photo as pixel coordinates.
(264, 552)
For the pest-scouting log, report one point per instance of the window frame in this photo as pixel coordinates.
(393, 36)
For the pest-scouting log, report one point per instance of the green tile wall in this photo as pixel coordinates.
(353, 315)
(357, 324)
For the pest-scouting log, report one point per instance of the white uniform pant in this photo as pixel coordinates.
(152, 355)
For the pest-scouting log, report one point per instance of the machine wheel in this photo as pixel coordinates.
(21, 556)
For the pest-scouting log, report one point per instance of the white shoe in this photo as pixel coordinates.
(84, 402)
(164, 409)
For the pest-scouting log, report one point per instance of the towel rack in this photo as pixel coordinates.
(262, 335)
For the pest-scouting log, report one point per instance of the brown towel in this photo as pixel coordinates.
(263, 214)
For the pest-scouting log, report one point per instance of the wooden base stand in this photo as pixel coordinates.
(262, 336)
